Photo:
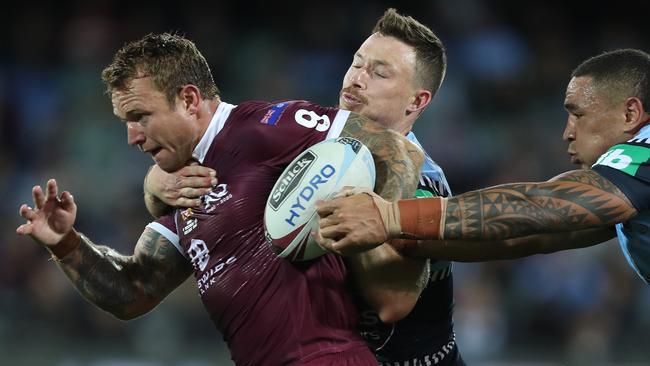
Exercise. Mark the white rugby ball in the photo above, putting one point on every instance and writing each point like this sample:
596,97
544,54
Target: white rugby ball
317,173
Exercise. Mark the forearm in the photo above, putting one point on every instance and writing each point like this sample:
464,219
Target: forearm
480,251
155,206
389,282
575,200
105,278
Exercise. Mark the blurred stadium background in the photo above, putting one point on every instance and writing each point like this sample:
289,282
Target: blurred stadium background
498,118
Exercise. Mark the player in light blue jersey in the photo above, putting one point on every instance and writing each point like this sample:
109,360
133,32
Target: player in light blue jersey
608,130
627,166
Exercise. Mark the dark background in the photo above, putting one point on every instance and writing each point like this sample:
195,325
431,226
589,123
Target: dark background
498,118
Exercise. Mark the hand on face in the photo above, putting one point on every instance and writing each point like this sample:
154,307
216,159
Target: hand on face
182,188
51,218
350,223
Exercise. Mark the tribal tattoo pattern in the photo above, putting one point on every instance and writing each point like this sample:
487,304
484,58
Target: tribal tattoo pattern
574,200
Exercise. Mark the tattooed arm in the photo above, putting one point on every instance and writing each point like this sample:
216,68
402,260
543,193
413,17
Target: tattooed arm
488,250
388,281
574,200
397,160
126,286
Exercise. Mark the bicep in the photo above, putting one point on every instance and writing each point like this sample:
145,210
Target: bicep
397,160
162,266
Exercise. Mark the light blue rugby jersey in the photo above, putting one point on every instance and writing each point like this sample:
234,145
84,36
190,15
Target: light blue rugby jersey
431,171
627,166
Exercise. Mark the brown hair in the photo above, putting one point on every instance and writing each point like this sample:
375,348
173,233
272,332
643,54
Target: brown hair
431,59
171,61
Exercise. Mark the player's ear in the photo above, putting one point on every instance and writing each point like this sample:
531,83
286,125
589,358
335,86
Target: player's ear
420,100
190,96
635,115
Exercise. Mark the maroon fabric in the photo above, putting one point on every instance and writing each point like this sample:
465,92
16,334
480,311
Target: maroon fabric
270,311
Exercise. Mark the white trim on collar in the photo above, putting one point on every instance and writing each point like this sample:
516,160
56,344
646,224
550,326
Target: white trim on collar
216,125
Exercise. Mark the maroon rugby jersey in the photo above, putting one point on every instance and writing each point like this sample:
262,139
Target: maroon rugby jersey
270,311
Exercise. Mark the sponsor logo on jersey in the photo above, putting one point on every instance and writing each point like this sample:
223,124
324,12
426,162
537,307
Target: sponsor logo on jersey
218,196
273,114
626,158
209,277
199,254
307,193
291,178
190,225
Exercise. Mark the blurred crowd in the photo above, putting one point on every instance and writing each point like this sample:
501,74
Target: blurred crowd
497,118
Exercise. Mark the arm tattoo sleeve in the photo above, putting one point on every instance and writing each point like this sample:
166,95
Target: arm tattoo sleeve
397,161
126,286
574,200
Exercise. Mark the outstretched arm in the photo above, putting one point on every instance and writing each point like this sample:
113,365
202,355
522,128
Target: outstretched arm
574,200
389,282
126,286
488,250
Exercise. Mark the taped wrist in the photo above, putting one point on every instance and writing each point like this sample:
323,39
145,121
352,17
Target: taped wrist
422,218
389,215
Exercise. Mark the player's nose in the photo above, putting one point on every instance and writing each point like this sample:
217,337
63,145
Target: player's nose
569,131
135,137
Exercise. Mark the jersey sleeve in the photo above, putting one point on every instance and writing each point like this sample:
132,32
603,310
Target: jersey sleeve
626,165
166,226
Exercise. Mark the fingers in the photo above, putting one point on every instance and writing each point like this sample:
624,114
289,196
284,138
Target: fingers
326,208
187,202
67,201
325,243
197,182
38,197
328,221
24,229
196,170
333,232
52,189
27,212
348,191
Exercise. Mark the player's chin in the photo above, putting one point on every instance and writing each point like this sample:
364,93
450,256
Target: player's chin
167,162
352,107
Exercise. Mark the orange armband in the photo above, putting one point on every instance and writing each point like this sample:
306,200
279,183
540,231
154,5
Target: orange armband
422,218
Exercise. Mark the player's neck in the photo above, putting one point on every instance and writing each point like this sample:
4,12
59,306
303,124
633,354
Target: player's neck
207,111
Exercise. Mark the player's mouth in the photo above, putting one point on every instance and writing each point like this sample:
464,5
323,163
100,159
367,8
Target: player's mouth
574,158
350,100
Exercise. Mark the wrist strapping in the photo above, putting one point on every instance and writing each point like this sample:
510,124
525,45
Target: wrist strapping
422,218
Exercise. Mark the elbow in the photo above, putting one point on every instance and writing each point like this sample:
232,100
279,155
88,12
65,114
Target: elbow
127,313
